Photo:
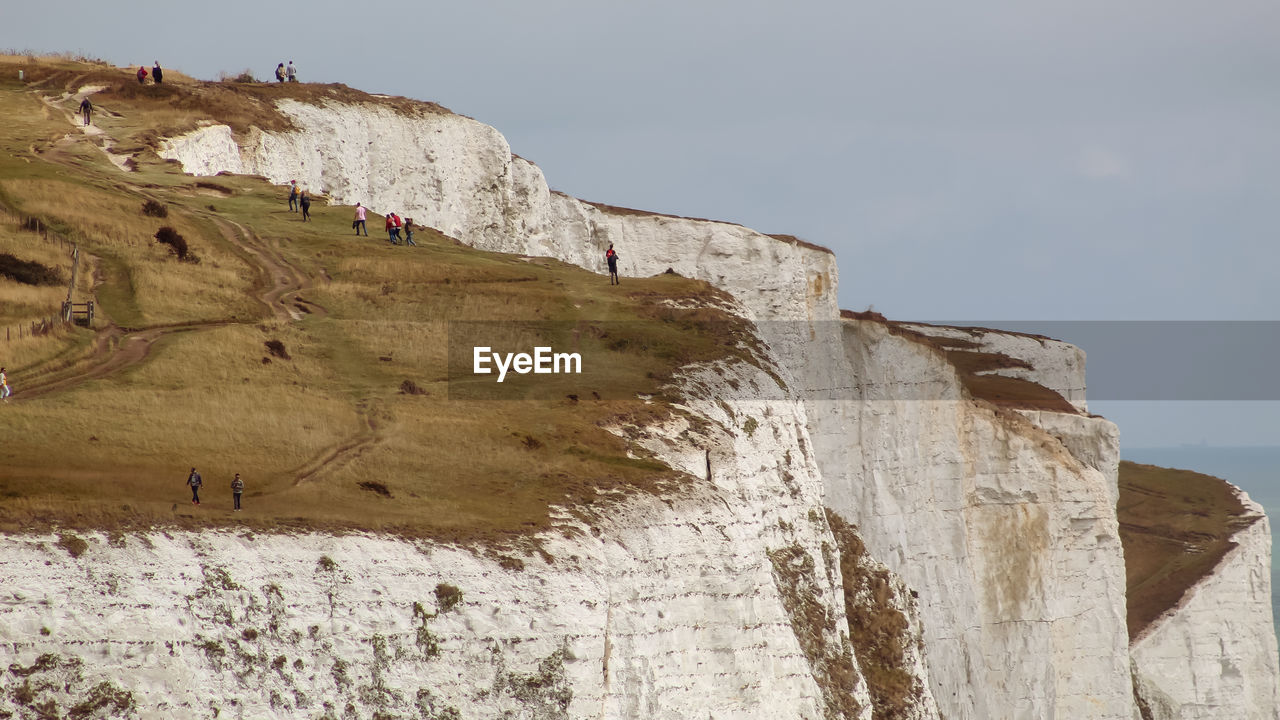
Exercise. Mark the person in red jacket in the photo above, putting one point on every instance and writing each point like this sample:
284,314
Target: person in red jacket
611,257
142,75
393,228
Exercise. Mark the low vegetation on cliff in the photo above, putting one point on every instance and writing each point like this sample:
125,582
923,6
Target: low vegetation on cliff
1176,526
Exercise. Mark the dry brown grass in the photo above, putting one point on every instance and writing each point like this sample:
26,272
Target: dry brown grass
1176,526
160,288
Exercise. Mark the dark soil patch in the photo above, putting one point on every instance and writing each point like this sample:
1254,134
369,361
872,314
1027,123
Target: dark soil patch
375,487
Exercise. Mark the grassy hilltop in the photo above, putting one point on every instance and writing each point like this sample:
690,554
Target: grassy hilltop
311,361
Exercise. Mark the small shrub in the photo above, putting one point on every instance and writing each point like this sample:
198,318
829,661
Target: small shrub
276,348
153,208
409,387
168,236
27,272
447,597
249,634
244,76
750,426
74,545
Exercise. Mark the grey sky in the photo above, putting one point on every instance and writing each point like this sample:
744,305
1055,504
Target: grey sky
992,160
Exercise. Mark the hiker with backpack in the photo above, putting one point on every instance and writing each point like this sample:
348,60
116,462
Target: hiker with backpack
611,257
280,72
305,202
195,482
293,196
86,109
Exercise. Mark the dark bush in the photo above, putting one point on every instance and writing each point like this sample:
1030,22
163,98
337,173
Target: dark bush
409,387
27,272
155,209
447,597
375,487
176,242
275,347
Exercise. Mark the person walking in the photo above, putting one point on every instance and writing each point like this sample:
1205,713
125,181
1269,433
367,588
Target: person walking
4,386
393,229
291,72
305,202
86,109
156,73
237,487
195,482
293,196
280,72
142,75
358,223
408,232
611,257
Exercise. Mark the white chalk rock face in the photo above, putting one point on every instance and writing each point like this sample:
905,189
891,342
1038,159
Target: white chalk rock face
721,599
1011,540
1003,524
1213,657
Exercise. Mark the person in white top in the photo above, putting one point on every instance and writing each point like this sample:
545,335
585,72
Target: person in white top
4,386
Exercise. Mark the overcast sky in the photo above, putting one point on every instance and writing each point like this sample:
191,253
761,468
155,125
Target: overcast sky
981,161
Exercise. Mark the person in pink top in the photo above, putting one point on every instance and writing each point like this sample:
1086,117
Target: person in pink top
358,223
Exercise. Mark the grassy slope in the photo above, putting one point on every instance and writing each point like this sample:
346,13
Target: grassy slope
114,452
1176,525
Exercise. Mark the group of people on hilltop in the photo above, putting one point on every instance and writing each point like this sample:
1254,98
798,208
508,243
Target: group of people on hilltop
394,224
157,75
286,73
195,482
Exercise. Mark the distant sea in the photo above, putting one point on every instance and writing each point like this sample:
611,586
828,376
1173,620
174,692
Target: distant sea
1256,470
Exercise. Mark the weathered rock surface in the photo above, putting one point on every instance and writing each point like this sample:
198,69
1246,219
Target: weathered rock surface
1003,522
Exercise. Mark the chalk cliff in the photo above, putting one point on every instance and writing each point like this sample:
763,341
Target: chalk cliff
733,602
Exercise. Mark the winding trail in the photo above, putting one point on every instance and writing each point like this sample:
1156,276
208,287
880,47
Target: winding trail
277,286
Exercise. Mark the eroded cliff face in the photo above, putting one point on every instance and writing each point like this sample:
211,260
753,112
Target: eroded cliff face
1002,521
